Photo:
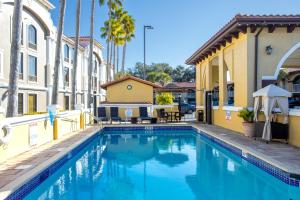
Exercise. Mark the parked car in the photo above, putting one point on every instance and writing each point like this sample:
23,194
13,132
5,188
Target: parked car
188,108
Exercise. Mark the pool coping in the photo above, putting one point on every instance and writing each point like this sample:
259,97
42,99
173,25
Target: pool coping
7,192
263,162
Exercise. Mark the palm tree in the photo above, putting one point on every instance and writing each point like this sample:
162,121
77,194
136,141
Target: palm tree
58,51
15,57
112,5
129,28
78,13
90,66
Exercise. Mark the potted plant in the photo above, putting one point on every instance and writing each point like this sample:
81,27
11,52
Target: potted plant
249,127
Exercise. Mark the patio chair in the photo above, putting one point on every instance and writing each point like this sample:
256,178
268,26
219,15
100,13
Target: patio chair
162,115
114,114
144,114
102,114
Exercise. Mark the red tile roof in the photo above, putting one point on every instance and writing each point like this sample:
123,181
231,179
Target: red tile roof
238,24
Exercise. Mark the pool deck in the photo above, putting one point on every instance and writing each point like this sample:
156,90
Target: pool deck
19,169
278,154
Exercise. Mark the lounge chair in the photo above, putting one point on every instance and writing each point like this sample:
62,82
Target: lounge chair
144,114
102,114
114,114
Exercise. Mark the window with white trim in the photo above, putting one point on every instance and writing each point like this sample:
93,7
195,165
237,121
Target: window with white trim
32,37
32,76
21,67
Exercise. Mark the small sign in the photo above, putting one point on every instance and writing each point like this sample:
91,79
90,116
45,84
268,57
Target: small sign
33,134
228,115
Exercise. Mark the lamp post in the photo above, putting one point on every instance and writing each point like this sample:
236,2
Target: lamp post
150,28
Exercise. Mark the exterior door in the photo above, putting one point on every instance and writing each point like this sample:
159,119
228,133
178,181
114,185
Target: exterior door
32,103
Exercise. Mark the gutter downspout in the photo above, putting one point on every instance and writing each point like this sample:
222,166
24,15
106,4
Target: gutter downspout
256,58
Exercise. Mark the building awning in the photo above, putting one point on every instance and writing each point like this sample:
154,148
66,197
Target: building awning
240,23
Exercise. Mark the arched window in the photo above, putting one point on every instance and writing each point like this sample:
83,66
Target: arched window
32,37
296,80
66,52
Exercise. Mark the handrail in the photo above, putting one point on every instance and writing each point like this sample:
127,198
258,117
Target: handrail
95,118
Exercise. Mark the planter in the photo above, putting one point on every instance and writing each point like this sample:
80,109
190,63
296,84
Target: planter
249,129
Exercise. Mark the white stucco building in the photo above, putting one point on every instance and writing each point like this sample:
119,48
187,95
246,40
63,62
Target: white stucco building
37,60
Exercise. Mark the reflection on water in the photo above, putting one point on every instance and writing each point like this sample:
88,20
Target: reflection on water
161,165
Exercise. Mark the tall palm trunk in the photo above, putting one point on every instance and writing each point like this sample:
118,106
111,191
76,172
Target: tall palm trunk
15,57
123,57
117,57
114,59
78,13
90,67
107,61
110,60
58,51
108,42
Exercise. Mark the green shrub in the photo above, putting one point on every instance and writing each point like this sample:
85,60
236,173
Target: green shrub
164,98
246,114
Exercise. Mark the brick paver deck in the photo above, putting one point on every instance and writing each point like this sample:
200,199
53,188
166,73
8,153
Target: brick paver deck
19,165
281,155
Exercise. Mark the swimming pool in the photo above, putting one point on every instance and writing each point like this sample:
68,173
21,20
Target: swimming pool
159,164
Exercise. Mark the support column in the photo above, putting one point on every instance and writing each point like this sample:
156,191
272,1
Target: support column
50,48
222,81
208,74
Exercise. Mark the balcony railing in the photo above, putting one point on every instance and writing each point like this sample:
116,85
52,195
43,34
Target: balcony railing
296,87
32,78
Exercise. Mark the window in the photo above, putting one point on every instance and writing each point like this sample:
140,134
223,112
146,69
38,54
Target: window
67,102
66,53
95,66
215,96
20,104
66,76
72,55
32,42
20,69
230,94
32,69
32,103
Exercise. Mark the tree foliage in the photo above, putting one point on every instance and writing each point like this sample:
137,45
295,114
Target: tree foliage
164,98
163,73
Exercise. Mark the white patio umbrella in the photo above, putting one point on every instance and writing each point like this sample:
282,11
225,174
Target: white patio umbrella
267,99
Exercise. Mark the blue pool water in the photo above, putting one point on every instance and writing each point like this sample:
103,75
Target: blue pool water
159,165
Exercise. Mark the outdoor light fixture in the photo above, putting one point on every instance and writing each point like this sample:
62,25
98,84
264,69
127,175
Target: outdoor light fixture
269,50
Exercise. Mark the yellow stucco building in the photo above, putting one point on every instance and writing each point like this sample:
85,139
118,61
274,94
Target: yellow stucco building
242,57
127,92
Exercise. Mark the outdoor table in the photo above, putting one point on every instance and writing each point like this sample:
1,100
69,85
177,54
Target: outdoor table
172,115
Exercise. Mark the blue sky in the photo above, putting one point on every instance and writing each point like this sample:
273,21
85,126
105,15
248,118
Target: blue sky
180,26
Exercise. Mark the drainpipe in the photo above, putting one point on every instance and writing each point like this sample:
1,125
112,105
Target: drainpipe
256,57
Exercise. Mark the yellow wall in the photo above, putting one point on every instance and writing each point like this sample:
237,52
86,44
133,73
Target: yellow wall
238,57
19,142
235,123
139,93
20,139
